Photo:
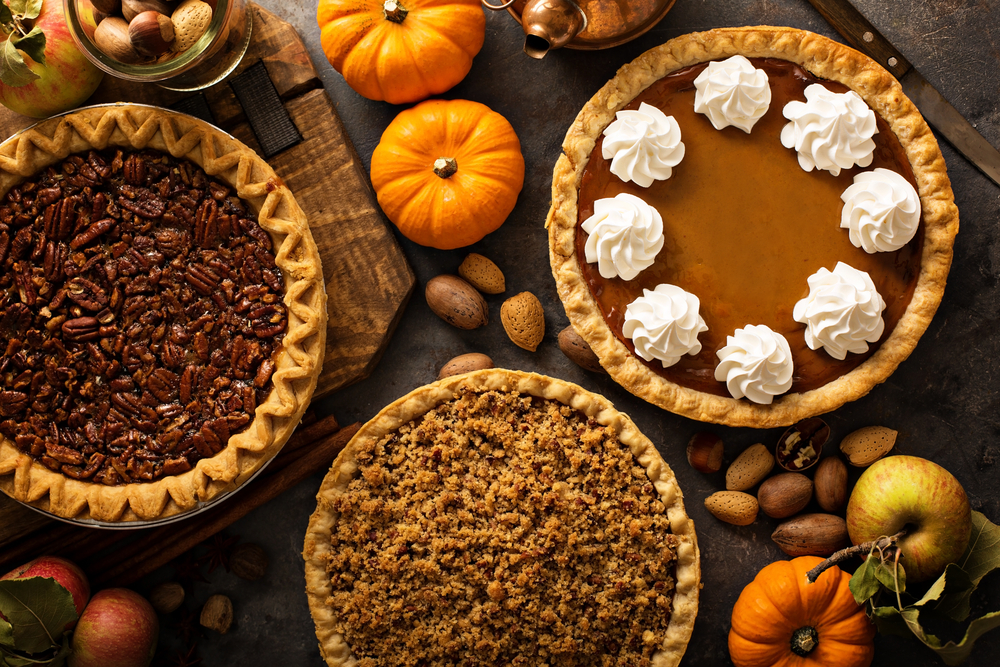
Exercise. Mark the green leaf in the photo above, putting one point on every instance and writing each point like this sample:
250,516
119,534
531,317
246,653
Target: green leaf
889,622
950,595
863,583
13,70
5,15
983,553
32,8
888,574
33,44
38,609
6,633
18,7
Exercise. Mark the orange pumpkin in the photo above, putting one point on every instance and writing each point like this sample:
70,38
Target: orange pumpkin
448,172
401,50
781,620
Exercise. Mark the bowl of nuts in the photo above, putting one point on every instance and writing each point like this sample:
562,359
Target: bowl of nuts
178,44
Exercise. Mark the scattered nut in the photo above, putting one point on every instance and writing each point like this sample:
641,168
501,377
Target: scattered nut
524,320
111,37
800,446
812,535
749,468
248,561
704,452
151,33
191,19
576,348
166,597
483,274
465,363
867,445
831,484
786,494
739,509
456,302
217,614
132,8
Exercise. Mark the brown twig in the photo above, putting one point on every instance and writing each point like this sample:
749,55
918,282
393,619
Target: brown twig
862,549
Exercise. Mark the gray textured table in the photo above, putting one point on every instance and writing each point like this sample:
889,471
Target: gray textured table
943,399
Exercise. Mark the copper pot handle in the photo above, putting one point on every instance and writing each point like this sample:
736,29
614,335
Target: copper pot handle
498,7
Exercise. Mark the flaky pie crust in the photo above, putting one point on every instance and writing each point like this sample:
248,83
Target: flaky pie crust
828,60
318,548
297,363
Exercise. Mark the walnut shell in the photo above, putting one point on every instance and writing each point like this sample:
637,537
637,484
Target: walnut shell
524,320
867,445
482,274
191,19
456,302
749,468
831,484
465,363
735,507
786,494
812,535
217,614
576,348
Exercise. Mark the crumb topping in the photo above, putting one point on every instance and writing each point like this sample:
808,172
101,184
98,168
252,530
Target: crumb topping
501,529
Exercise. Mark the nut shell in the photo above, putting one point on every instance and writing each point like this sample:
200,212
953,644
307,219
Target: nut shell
482,274
812,535
191,19
151,33
111,37
749,468
217,614
830,482
867,445
801,444
735,507
456,302
464,363
167,597
705,451
524,320
786,494
106,6
132,8
249,561
576,348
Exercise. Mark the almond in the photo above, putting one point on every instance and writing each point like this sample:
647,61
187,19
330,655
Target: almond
704,452
831,484
465,363
739,509
576,348
524,320
482,274
812,535
867,445
786,494
749,468
456,302
191,19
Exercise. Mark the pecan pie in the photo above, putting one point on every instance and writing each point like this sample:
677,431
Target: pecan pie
501,517
745,225
162,314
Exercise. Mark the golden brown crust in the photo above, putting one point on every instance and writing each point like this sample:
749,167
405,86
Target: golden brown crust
317,548
826,59
297,363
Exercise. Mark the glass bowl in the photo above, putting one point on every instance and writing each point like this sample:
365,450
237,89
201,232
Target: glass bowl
209,60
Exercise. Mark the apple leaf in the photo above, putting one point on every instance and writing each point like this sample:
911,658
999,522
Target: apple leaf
38,609
863,583
892,576
983,553
13,70
6,633
5,15
889,621
950,594
33,44
32,8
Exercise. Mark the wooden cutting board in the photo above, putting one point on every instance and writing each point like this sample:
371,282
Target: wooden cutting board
368,280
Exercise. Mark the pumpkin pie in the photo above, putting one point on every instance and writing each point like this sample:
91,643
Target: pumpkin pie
162,314
501,517
746,221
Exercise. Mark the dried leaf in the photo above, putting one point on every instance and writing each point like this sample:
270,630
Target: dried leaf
32,8
983,554
13,70
891,575
38,609
864,584
955,653
889,622
950,594
33,44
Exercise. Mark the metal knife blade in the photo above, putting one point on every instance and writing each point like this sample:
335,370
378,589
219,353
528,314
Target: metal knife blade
959,132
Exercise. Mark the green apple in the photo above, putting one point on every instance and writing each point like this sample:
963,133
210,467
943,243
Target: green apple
909,492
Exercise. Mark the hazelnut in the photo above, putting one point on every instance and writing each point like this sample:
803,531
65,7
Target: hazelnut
105,6
248,561
704,452
151,33
132,8
217,614
167,597
111,37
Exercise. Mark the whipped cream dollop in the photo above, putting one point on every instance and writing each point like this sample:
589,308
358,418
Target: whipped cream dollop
664,324
625,235
831,131
756,362
643,145
881,211
732,92
843,311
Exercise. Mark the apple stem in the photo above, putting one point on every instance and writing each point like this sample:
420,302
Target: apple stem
857,550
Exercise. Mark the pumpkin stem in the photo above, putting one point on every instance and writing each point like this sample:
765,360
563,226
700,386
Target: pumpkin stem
804,640
445,166
394,11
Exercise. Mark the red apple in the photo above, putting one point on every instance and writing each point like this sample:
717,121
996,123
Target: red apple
63,571
118,628
66,79
919,495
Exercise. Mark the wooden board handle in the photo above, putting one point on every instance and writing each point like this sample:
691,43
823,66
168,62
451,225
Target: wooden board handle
862,35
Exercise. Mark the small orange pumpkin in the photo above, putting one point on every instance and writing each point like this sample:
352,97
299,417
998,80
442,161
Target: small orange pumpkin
448,172
401,50
781,620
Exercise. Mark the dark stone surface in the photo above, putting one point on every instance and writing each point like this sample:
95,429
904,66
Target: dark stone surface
943,399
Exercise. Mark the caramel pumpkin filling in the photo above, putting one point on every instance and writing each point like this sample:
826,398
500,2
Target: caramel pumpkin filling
744,228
